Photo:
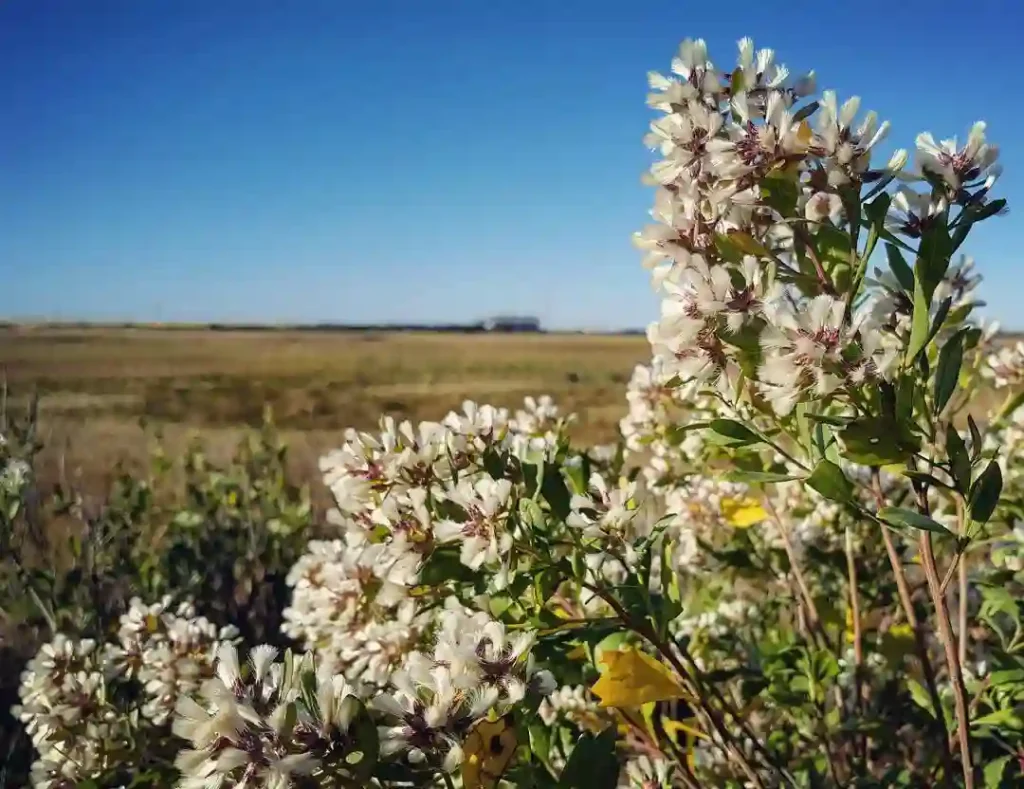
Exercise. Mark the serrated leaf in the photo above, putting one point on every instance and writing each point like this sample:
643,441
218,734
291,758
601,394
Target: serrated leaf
985,493
903,518
828,479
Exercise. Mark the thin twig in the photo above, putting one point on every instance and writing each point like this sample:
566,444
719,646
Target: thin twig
858,639
962,593
794,563
921,645
704,708
948,643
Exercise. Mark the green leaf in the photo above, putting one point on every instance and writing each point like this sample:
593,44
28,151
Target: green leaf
1004,717
947,374
805,112
676,433
878,208
920,696
985,493
920,324
835,421
781,193
993,772
959,460
555,492
921,476
975,438
754,477
443,566
730,433
828,479
902,518
367,741
593,764
540,741
932,258
877,441
903,273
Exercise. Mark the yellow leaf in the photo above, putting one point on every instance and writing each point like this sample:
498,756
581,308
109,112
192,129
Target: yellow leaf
633,678
803,132
578,653
487,751
743,513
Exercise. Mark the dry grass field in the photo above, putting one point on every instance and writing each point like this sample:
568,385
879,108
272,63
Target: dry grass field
107,393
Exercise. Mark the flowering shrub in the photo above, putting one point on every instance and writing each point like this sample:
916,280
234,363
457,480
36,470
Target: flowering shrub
802,566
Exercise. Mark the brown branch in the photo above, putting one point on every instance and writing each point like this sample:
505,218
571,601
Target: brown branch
949,644
920,643
858,636
952,659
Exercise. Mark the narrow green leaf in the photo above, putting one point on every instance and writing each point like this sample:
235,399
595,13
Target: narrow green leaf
902,518
835,421
975,438
729,432
947,374
754,477
920,324
985,493
903,273
993,772
876,441
806,112
1008,716
675,434
959,460
828,479
921,476
593,763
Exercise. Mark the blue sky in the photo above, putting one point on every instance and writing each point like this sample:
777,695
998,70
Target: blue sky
406,160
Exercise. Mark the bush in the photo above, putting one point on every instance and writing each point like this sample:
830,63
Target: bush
801,567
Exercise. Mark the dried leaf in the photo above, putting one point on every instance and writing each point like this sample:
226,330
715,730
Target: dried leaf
632,678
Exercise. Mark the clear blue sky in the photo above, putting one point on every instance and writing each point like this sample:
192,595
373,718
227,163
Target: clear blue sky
414,160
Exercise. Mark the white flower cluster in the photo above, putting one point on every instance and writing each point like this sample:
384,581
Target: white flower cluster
76,700
475,667
68,710
1005,367
170,651
263,727
350,603
399,494
574,704
750,209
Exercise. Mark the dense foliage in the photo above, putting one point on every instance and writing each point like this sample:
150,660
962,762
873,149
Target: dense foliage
801,566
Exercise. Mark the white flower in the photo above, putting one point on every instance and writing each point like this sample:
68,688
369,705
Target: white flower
483,531
958,167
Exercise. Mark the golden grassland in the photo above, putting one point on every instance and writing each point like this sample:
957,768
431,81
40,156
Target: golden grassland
106,394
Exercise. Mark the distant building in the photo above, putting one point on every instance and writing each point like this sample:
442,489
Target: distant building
511,323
